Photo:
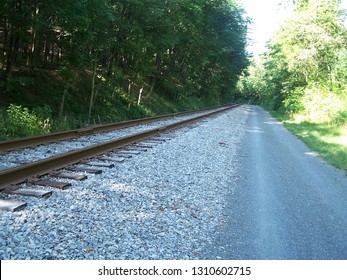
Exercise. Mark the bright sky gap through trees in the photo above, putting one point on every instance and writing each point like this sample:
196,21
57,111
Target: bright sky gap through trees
267,17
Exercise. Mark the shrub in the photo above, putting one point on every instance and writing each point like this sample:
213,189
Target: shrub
20,122
293,103
17,83
322,105
340,119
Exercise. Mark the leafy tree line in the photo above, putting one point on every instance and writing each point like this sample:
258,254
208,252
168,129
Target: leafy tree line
304,69
128,48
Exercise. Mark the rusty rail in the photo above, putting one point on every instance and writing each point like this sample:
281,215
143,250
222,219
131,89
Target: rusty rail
53,137
22,173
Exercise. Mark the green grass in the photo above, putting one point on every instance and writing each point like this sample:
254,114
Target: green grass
330,141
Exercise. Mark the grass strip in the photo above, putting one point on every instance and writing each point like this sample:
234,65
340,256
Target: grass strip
330,141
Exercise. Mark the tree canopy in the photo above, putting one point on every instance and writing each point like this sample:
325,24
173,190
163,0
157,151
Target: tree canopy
303,69
175,47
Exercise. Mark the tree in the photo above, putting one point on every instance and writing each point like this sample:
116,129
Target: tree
308,51
175,47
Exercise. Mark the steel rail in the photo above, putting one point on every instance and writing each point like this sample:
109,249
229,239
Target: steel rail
22,173
53,137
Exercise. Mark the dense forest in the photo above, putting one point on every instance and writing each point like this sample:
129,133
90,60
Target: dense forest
69,63
304,68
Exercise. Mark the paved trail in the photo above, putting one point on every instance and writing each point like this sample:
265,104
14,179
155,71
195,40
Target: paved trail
287,203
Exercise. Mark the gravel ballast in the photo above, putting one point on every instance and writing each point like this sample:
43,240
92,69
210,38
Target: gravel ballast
11,159
165,203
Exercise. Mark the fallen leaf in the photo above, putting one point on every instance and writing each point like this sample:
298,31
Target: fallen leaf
89,249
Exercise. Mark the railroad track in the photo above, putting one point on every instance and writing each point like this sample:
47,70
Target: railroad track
105,154
54,137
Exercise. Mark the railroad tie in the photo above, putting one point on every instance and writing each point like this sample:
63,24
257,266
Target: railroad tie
100,164
83,169
31,192
50,183
113,159
71,176
11,205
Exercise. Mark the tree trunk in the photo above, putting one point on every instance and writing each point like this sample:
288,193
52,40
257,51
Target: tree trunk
139,96
92,93
62,103
152,87
9,59
110,62
66,90
31,57
46,53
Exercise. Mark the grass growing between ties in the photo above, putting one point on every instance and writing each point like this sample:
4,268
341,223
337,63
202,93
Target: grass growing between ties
329,140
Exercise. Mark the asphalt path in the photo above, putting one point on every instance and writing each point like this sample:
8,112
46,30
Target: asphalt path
286,204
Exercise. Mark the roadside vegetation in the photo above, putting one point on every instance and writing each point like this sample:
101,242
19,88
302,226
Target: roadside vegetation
66,64
329,140
302,78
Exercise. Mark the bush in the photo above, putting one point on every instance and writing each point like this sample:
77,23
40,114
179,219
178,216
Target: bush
322,105
20,122
340,119
293,103
17,83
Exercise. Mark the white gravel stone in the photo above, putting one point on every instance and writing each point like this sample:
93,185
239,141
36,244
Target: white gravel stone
165,203
15,158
